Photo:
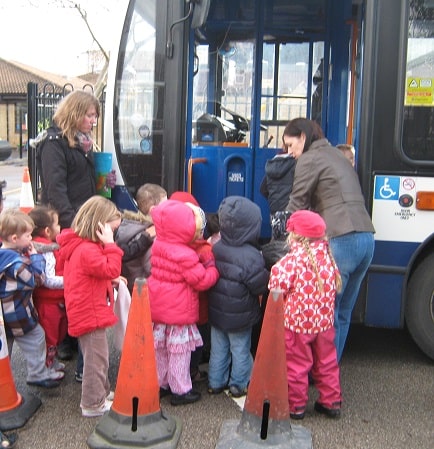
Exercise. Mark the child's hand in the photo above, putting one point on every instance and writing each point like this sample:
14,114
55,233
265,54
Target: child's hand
31,249
151,231
105,233
117,281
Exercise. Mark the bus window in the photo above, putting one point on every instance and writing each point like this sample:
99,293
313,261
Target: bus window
137,86
418,129
222,93
286,86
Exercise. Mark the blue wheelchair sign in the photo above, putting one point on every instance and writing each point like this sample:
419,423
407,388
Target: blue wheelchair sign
387,187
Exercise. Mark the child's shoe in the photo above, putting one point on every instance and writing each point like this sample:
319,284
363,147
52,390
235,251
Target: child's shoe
187,398
237,392
58,366
78,377
198,376
95,412
334,413
55,375
110,396
217,390
298,413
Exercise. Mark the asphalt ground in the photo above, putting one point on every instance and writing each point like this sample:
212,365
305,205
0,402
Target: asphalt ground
387,384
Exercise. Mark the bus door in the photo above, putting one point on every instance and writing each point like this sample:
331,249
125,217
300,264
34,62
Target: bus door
245,87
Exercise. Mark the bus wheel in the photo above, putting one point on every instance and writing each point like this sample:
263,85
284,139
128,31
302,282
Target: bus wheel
419,309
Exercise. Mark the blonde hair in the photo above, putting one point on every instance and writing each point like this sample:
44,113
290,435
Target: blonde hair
149,195
199,218
96,209
71,111
305,241
14,221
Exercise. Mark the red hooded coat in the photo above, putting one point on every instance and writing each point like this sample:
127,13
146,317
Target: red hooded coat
89,268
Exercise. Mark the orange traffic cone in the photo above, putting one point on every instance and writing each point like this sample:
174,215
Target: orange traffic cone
26,196
265,420
15,409
135,418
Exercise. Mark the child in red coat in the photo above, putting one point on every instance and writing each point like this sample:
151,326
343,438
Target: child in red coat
91,263
49,298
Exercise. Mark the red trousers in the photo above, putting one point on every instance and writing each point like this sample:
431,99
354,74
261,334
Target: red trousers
52,318
315,353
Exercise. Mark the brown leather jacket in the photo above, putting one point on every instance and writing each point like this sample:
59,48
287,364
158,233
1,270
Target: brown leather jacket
325,182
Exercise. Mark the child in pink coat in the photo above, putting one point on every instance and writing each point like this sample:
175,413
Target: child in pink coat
176,279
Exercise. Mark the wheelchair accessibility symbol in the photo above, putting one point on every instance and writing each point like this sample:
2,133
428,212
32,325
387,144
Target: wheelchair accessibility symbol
387,187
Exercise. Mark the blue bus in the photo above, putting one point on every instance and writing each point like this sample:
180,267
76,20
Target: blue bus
199,92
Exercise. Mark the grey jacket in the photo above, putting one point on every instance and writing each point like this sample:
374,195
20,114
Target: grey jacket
325,182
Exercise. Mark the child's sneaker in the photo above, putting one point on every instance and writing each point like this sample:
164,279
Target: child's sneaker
110,396
78,377
55,375
58,366
237,392
95,412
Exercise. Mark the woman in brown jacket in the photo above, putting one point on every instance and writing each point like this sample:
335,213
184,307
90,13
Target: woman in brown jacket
326,183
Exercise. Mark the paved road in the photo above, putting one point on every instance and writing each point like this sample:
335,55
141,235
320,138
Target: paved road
388,387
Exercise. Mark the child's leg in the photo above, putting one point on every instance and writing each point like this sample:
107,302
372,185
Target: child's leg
178,373
162,360
48,319
219,361
95,386
242,360
326,369
161,355
298,363
33,347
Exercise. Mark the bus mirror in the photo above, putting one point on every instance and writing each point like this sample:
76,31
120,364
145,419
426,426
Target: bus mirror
200,13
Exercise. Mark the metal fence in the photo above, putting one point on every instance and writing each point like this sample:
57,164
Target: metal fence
41,105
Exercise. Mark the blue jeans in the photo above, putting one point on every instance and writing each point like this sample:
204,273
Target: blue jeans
353,253
227,347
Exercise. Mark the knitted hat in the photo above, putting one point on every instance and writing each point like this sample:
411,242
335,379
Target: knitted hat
184,197
306,223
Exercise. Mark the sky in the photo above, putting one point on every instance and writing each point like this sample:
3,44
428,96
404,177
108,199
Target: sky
45,35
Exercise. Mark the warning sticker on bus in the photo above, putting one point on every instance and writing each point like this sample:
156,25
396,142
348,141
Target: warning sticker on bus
419,92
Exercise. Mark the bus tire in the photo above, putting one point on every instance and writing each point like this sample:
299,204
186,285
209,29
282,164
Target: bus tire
419,308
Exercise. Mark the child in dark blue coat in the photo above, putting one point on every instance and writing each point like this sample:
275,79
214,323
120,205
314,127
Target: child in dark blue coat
234,301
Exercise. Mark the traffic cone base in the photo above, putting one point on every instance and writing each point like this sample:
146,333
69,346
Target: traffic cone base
17,418
135,419
153,431
297,437
265,419
15,409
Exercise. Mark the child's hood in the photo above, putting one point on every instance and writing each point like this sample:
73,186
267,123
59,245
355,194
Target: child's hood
277,167
43,245
7,257
174,222
68,241
240,221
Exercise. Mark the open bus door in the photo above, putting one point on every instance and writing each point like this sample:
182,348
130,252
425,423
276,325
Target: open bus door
250,73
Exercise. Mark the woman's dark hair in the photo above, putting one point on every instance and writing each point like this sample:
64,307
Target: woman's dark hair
299,126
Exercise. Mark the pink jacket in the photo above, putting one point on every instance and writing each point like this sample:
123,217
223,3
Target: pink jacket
89,268
177,275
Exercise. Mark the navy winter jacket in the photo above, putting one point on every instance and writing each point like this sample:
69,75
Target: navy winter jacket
234,300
